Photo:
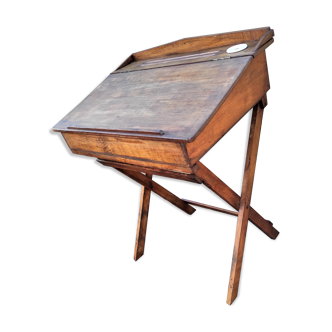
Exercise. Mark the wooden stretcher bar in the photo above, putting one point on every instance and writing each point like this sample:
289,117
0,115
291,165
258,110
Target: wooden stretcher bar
210,207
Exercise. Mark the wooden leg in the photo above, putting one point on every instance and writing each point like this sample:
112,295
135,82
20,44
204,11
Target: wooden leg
242,222
221,189
158,189
142,221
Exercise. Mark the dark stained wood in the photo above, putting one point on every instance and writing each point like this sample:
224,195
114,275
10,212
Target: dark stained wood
202,42
242,222
233,199
210,207
158,189
142,221
154,171
253,84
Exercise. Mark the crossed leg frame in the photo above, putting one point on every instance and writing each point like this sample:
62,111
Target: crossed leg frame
210,180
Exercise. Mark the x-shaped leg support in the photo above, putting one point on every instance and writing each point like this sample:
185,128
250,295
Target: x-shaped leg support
149,185
205,176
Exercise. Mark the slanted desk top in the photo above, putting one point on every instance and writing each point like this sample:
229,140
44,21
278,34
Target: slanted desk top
164,108
169,97
169,103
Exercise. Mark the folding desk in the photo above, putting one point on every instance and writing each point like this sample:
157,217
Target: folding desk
165,107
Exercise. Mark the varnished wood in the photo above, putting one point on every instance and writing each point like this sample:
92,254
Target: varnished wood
137,161
154,171
212,54
185,153
242,222
262,48
158,189
264,39
202,42
254,48
157,154
263,102
250,88
210,207
164,108
233,199
142,221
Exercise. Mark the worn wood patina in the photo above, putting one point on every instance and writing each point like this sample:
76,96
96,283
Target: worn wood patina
164,108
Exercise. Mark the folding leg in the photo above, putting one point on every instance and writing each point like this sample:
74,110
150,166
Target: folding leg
242,222
142,221
158,189
221,189
148,186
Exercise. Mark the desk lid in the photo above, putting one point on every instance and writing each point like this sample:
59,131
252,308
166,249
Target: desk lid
169,92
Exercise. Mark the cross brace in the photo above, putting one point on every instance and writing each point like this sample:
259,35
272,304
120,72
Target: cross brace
213,183
210,180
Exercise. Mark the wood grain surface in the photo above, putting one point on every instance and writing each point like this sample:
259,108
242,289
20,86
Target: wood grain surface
202,42
251,87
178,100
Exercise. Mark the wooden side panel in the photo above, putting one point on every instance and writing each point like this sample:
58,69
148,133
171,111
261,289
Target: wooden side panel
158,154
203,42
249,90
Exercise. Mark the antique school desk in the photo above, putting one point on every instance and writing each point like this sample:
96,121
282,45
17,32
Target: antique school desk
164,108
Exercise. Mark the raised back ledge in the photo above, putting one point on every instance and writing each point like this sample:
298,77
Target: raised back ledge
199,42
192,44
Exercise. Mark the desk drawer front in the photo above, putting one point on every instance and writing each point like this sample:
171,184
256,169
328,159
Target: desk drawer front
164,155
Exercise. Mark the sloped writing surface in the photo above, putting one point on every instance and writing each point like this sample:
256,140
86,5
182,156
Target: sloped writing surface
177,100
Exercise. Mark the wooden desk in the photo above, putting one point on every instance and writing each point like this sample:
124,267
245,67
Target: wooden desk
164,108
